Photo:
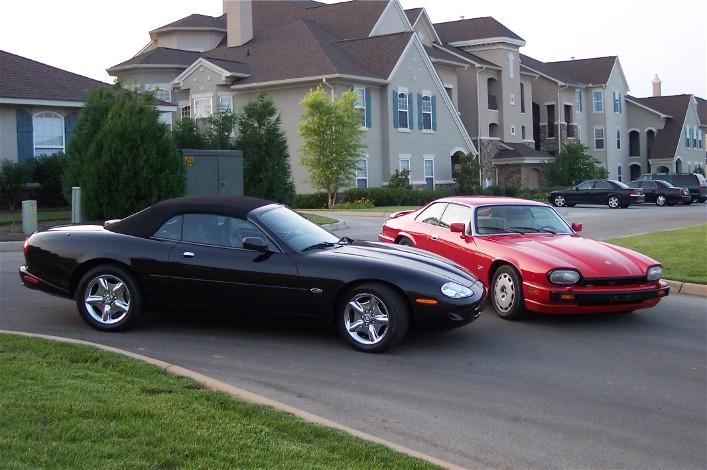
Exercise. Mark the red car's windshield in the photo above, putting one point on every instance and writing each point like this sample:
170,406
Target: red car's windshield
490,220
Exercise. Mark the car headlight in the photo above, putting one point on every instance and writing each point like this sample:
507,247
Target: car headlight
655,273
456,291
564,276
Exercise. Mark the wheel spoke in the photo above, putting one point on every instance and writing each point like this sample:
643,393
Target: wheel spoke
122,306
106,312
357,307
96,300
355,326
373,333
103,283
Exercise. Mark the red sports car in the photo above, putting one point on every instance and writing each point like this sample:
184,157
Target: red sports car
529,258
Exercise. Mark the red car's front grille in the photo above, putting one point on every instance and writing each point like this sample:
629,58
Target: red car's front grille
616,281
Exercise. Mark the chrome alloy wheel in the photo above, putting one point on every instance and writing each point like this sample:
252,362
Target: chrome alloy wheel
504,293
107,299
366,319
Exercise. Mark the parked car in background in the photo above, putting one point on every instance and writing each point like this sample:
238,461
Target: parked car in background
529,258
662,193
694,182
247,255
612,193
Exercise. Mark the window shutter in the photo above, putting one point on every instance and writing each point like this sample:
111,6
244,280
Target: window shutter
369,122
419,112
434,113
410,113
69,123
395,109
25,140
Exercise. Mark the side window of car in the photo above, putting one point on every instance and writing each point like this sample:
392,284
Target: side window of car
170,230
602,185
198,227
432,215
586,185
456,213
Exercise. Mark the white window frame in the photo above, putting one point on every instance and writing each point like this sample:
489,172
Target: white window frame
598,104
185,111
201,107
425,160
512,99
579,107
618,138
513,130
617,102
162,92
694,137
426,111
599,136
362,172
225,102
403,108
687,137
360,105
45,124
404,163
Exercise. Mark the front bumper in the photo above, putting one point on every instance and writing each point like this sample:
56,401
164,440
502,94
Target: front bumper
554,299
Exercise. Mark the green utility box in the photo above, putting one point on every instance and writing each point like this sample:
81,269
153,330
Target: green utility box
213,172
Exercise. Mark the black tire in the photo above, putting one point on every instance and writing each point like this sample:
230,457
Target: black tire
109,298
614,202
405,241
660,200
559,200
373,317
507,294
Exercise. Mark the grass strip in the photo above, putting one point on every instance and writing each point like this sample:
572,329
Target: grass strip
74,406
682,252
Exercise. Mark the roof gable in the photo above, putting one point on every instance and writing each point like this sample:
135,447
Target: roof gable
594,71
476,30
25,79
675,107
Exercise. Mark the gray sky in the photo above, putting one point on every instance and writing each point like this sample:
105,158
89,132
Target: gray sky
649,37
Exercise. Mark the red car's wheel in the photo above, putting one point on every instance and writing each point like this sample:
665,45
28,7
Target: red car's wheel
507,293
405,241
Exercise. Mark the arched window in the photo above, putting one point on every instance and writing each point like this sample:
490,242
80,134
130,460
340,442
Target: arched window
403,110
48,133
427,112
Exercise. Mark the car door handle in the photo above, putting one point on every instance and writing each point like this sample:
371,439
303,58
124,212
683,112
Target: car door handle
434,237
188,254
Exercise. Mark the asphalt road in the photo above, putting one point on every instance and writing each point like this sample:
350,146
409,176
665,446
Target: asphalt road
601,391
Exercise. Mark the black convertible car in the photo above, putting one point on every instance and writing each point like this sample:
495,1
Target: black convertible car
250,255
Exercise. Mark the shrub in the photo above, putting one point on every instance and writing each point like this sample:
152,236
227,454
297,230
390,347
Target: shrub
13,178
310,201
47,171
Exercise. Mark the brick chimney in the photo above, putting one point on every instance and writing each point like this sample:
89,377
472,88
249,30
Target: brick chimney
656,85
239,21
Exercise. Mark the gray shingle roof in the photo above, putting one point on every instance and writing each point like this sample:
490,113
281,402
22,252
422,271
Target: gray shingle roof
595,71
22,78
474,29
197,21
163,56
548,70
667,139
520,150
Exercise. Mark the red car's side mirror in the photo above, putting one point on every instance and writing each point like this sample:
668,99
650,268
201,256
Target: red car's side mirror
577,227
458,227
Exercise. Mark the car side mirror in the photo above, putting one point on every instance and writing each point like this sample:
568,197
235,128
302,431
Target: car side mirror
576,227
255,244
458,227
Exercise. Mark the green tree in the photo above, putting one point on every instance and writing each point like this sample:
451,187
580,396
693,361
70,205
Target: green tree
218,132
13,178
128,158
400,180
186,135
331,130
574,165
467,174
266,158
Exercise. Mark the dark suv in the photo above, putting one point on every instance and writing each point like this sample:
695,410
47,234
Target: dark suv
695,182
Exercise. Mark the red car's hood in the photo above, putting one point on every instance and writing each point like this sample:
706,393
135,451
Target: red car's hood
594,259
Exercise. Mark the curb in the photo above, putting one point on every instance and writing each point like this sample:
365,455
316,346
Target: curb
212,384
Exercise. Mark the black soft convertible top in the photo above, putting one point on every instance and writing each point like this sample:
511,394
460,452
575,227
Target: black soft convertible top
147,221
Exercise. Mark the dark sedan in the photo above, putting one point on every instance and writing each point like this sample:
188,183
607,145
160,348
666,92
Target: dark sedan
253,256
612,193
662,193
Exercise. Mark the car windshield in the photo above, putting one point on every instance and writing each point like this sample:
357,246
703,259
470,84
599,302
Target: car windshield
296,231
492,220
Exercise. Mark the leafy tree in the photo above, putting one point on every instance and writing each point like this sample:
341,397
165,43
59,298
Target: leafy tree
574,165
700,169
400,180
122,156
266,159
331,130
218,133
467,174
47,171
13,177
186,135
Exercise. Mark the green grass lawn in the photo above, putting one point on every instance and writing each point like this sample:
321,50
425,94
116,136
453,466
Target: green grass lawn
682,252
74,406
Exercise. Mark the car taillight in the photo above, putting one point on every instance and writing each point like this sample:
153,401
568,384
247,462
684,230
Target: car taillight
636,192
25,247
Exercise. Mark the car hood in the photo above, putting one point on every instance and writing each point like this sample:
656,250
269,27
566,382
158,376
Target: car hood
409,257
594,259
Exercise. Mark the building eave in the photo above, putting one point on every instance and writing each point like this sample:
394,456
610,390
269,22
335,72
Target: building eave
41,102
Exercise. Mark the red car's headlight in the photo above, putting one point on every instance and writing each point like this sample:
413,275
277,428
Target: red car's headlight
654,273
564,277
